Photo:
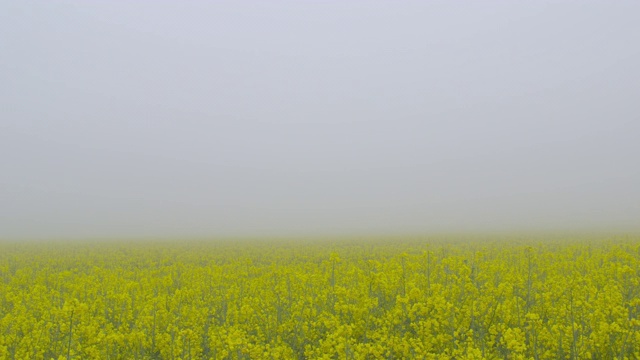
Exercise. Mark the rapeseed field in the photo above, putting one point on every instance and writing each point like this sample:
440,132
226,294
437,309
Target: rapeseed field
370,299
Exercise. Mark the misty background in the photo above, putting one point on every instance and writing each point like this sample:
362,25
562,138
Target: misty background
194,118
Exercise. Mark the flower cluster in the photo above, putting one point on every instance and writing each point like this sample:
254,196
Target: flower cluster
400,299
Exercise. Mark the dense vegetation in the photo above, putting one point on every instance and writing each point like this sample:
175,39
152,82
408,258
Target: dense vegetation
393,299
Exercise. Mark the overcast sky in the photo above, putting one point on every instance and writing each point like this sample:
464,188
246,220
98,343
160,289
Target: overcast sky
202,118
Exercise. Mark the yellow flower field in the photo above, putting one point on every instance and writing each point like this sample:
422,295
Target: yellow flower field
368,299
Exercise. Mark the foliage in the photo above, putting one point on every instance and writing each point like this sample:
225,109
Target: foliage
399,299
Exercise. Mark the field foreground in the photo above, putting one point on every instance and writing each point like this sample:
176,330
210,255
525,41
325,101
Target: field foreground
395,299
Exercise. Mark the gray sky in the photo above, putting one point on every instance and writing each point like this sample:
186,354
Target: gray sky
194,118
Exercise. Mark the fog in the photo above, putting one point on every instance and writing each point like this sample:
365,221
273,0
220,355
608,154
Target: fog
280,118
